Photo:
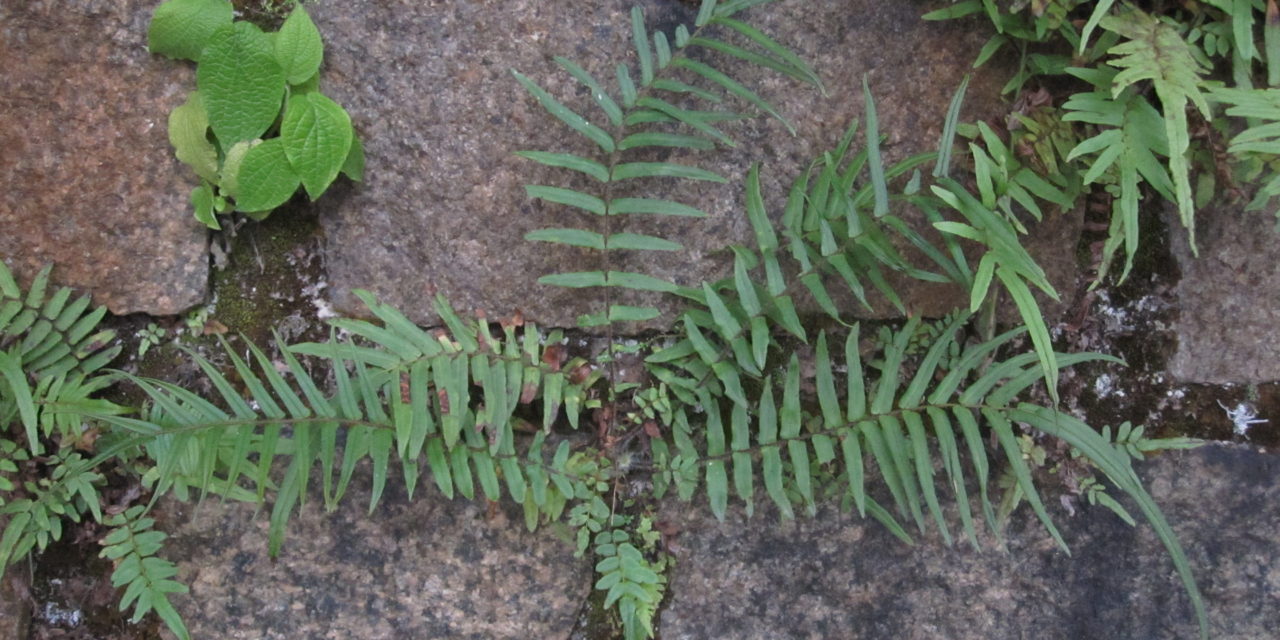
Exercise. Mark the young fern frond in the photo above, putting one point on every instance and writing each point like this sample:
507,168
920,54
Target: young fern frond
657,110
147,578
1155,51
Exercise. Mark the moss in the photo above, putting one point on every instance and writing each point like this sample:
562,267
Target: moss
270,278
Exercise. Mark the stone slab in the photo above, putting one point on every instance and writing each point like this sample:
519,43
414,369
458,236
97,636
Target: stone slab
837,577
1229,323
90,183
426,568
443,210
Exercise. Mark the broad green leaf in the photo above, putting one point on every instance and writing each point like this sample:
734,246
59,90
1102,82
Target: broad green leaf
181,28
266,180
229,176
298,47
202,202
317,136
240,83
353,166
188,133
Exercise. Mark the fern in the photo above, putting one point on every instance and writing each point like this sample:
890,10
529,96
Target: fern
1259,144
409,393
657,110
1128,147
147,579
1155,51
51,334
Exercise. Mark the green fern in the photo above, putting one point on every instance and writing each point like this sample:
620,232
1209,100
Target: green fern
1155,51
51,334
1259,144
132,547
645,117
402,392
1131,140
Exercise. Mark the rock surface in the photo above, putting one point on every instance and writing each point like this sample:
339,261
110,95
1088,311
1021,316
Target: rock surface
838,577
90,183
430,568
1229,326
430,91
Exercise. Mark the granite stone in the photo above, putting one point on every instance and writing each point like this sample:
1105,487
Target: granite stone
90,183
430,91
1229,316
839,577
421,568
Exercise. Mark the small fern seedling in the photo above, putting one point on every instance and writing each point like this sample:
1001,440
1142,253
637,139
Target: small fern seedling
147,578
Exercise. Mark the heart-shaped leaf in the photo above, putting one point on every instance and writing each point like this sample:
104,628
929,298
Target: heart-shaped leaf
188,133
240,83
317,137
266,179
298,47
181,28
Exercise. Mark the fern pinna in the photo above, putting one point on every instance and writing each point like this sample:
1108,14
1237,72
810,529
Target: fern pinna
655,110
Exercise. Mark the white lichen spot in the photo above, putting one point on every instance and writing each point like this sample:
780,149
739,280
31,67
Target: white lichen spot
1243,416
1105,387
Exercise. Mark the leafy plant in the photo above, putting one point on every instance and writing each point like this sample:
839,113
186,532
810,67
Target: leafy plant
147,579
643,120
52,351
1142,70
257,128
492,410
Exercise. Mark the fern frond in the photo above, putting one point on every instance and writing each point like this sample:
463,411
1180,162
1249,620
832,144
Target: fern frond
444,402
668,90
147,578
1155,51
1261,140
51,334
1132,136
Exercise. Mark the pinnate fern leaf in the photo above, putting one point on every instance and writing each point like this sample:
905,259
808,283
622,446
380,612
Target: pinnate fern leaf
1155,51
147,578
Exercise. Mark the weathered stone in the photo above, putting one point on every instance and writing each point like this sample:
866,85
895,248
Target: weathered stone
838,577
90,183
429,89
1229,322
426,568
15,611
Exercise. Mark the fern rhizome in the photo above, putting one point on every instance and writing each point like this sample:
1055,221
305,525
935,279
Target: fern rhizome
725,407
